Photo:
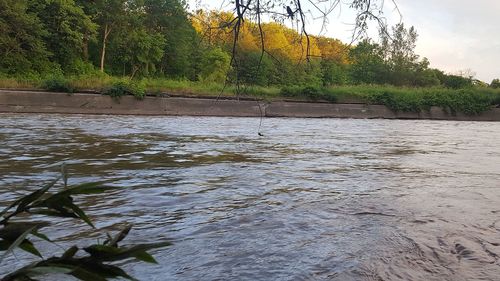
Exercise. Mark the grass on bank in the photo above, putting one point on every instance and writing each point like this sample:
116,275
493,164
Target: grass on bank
400,99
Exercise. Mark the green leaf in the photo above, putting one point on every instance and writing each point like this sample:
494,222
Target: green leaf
26,200
86,268
4,211
108,253
14,229
28,246
41,270
102,270
4,245
113,242
17,242
85,188
41,236
145,257
86,275
53,213
69,253
81,214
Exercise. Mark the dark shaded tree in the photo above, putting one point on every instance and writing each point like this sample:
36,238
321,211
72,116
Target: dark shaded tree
22,46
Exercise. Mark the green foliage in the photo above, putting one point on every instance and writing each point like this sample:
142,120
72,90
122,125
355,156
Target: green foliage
141,50
181,38
253,69
214,66
22,46
495,84
57,84
40,39
94,264
82,68
470,101
399,54
311,93
368,65
456,82
67,25
425,77
126,87
334,73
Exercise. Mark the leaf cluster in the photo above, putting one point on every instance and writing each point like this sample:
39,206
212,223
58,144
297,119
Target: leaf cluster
94,261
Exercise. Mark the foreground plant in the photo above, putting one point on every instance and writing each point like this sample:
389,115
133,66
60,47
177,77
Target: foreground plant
93,263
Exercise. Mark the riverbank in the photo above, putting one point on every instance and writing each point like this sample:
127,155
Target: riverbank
468,100
14,101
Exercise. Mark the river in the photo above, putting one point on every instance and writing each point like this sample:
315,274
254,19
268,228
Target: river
311,199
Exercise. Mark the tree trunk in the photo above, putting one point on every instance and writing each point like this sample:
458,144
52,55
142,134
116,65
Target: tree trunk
107,30
135,68
86,47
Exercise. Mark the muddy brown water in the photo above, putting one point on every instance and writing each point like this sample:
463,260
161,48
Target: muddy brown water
312,199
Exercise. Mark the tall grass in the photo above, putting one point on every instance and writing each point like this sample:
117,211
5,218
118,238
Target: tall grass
14,83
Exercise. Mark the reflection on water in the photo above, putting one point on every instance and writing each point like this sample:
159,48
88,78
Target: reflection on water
311,200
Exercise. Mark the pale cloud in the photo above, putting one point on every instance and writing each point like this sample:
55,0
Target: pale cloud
457,35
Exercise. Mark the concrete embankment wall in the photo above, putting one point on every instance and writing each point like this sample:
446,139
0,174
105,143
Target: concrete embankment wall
81,103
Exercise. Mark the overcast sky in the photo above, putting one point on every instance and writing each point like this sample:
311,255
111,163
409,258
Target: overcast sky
457,34
453,34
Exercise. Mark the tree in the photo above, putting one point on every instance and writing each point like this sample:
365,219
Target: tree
279,10
22,48
399,54
334,73
109,14
67,25
214,66
424,76
143,50
456,82
169,18
495,84
368,65
252,69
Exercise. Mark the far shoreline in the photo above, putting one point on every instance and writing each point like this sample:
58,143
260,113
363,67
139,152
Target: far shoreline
175,104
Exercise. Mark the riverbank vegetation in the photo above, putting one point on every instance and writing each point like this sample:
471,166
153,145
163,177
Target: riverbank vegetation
120,47
18,231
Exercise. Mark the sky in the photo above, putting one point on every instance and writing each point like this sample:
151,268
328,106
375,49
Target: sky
455,35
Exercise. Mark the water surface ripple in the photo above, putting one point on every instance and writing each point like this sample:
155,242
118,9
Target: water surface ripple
313,199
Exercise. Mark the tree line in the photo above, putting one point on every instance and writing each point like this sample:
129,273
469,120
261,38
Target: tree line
159,38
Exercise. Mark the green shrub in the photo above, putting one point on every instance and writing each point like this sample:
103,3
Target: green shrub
80,67
309,92
122,88
470,101
290,92
116,90
495,84
312,93
496,100
57,84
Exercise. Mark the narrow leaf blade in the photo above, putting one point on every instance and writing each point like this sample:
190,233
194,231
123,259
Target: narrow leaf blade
28,246
145,257
16,243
